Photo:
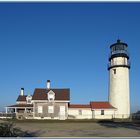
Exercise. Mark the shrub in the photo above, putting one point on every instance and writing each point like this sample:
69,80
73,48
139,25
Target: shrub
8,129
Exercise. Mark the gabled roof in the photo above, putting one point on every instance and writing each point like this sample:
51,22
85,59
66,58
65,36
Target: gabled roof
79,106
101,105
21,98
21,105
60,94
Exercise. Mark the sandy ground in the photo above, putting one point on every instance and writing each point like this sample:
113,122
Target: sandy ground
80,129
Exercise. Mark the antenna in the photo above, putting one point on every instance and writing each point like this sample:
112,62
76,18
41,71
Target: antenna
118,40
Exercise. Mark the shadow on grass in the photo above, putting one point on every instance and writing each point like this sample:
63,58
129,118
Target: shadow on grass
112,124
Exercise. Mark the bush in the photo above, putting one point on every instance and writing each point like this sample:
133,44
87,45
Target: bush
8,129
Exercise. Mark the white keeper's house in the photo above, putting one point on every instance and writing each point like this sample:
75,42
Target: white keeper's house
51,103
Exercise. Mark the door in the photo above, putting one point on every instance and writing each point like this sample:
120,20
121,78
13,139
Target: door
62,113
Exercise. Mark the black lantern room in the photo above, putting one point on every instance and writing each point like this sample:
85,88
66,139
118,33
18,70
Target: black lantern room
118,49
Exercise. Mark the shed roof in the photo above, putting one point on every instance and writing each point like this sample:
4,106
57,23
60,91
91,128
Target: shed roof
101,105
79,106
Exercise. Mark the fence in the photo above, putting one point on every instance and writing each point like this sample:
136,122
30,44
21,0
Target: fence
7,115
135,116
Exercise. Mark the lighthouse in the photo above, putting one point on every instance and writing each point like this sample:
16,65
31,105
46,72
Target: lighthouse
118,67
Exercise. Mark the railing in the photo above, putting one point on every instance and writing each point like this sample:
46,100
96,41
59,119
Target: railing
136,116
119,51
99,116
124,64
28,114
25,114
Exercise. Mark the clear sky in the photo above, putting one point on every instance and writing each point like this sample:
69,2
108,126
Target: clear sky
67,43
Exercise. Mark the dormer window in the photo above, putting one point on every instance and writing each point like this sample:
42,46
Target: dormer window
51,99
51,95
29,99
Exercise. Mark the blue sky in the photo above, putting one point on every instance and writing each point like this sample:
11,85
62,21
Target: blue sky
67,43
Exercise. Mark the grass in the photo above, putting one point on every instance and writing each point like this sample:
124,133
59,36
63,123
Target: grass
68,121
54,121
77,128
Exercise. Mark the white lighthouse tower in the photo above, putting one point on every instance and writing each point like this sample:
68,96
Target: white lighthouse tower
119,79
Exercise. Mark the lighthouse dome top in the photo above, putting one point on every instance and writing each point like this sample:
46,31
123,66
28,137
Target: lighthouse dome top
118,49
119,44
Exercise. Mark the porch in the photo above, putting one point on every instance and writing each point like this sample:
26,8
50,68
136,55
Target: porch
21,111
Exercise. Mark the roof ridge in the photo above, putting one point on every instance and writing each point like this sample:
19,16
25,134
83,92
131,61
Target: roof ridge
52,88
100,101
79,104
59,88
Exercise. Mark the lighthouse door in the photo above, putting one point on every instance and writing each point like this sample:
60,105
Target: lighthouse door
62,113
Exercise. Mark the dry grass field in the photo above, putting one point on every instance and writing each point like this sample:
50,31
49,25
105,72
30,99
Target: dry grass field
78,128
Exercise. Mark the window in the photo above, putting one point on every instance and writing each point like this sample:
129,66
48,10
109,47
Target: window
114,71
28,101
50,109
80,112
51,99
51,96
102,112
40,109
